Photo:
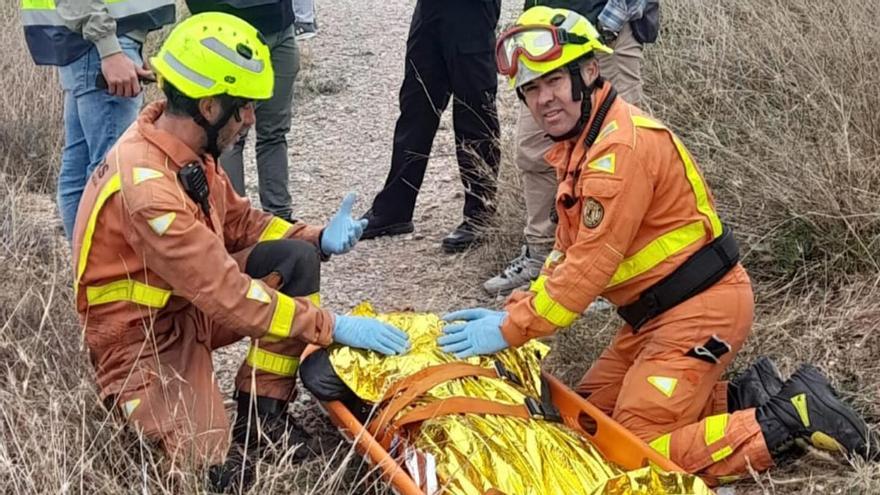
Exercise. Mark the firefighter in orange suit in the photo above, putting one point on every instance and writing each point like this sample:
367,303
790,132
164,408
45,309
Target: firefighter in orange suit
171,264
637,224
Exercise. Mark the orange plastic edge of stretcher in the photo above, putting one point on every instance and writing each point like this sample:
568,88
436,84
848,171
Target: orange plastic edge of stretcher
616,443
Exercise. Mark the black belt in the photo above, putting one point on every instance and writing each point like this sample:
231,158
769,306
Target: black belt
696,274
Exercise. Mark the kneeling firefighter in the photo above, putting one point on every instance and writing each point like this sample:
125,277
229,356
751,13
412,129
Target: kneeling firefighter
172,264
638,226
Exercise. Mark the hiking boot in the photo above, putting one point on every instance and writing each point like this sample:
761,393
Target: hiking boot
235,475
304,30
466,235
754,386
519,272
263,429
263,424
379,226
807,408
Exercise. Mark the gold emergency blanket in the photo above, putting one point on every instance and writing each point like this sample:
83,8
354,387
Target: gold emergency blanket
474,453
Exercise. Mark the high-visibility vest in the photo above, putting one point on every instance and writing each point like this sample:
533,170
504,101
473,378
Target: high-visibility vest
52,43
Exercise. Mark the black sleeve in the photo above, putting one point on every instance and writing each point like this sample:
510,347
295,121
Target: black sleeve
319,377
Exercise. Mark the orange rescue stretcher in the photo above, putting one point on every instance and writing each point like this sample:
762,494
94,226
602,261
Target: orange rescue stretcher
613,441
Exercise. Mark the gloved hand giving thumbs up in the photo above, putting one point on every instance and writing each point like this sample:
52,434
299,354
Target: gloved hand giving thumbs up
342,231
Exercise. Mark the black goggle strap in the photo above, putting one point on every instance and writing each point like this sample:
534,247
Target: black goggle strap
566,38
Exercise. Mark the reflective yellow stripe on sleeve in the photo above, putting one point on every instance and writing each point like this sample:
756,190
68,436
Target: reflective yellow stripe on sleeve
120,290
128,290
275,230
277,364
722,453
282,318
315,298
693,175
661,444
715,426
113,185
658,250
552,311
537,285
699,187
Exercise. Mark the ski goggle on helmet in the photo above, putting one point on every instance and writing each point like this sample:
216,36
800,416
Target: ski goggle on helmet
543,40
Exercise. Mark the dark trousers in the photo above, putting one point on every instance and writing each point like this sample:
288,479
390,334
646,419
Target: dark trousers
449,52
296,263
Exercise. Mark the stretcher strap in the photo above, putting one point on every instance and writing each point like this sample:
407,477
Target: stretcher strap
454,405
448,371
403,392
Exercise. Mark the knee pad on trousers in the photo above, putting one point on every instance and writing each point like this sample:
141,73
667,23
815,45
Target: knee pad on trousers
298,263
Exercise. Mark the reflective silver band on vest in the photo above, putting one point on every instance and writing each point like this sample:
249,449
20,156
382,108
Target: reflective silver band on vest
118,10
31,17
186,72
134,7
224,51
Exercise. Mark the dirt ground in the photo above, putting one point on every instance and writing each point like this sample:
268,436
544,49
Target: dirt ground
340,141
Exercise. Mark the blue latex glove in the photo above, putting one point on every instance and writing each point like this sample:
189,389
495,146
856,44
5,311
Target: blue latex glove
480,333
342,231
369,333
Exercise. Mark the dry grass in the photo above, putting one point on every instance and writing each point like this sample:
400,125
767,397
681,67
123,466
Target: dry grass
776,99
30,131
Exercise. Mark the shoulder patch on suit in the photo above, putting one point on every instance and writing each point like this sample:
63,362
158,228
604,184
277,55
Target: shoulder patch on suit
258,293
603,164
608,129
162,223
664,384
142,174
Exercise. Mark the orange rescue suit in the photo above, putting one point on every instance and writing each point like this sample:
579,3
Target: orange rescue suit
632,208
160,284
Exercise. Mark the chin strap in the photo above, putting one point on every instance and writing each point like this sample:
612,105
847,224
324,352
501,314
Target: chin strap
212,131
581,91
599,121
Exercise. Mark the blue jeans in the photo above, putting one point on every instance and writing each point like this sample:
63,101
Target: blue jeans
93,120
304,11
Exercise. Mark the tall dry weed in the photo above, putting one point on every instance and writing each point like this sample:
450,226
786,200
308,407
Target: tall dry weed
778,100
30,130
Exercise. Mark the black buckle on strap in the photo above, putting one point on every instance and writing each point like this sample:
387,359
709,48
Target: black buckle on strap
506,374
639,312
543,409
534,407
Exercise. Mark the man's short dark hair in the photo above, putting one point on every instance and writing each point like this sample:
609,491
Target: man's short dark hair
182,105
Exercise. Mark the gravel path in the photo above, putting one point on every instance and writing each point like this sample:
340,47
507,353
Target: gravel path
345,111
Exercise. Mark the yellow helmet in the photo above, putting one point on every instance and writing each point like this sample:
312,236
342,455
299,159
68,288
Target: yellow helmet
213,54
543,40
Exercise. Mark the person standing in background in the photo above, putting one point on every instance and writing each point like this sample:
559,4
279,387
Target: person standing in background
275,21
449,53
625,26
305,27
87,39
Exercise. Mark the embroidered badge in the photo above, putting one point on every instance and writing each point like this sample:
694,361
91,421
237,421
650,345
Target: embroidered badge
593,213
